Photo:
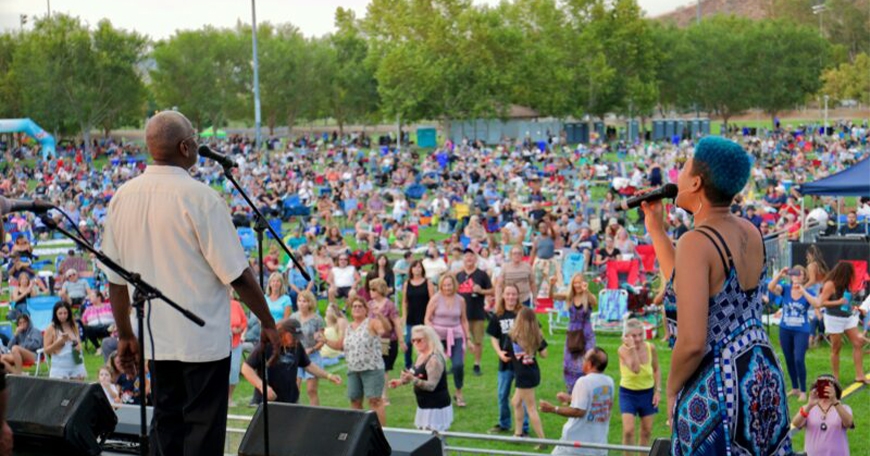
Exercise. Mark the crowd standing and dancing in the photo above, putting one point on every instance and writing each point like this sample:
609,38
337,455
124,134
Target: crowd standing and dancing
506,216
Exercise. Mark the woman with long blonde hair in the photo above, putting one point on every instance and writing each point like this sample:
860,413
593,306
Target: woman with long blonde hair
280,304
580,303
527,341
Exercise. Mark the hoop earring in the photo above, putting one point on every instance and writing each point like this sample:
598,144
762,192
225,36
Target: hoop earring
700,205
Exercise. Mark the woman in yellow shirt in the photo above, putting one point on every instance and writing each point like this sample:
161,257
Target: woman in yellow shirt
639,384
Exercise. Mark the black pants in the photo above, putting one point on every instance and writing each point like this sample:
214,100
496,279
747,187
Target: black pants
95,334
190,407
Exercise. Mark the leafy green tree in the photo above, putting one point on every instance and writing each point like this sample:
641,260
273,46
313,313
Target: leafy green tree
76,79
540,65
785,66
844,22
10,99
849,81
206,74
717,74
283,90
352,93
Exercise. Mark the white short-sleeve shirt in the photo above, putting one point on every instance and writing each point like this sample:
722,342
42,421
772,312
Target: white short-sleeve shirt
594,393
177,234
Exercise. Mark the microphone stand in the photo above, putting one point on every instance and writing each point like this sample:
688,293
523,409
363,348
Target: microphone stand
144,293
261,225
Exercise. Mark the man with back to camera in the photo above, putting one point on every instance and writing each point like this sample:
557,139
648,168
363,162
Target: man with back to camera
587,408
177,233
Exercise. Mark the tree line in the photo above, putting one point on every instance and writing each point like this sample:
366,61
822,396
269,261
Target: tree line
410,60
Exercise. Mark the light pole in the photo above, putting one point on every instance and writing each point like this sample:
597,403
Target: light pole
819,10
826,115
257,119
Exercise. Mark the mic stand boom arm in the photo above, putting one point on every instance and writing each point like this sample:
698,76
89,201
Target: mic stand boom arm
260,226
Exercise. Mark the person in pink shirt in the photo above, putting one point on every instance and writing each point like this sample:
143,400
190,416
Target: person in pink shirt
826,419
446,315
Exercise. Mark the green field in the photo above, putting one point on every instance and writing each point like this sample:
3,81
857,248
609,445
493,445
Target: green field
482,413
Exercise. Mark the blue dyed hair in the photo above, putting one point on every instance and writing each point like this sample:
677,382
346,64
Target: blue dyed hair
723,166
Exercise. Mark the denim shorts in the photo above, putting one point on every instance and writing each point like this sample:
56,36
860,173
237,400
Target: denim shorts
317,360
637,403
369,383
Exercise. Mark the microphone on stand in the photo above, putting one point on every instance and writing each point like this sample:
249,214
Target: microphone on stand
206,152
13,205
665,191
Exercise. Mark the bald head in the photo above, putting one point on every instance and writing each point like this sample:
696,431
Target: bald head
163,135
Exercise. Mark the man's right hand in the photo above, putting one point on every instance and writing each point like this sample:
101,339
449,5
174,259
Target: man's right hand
128,355
271,394
270,336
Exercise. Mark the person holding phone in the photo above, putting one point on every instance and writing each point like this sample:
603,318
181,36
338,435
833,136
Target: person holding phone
826,419
795,328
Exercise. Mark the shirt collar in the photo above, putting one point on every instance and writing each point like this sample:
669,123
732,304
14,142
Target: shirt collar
166,170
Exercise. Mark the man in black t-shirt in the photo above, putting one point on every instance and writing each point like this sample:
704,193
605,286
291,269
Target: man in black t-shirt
282,374
474,286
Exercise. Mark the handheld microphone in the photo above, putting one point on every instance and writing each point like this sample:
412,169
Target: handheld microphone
206,152
665,191
12,205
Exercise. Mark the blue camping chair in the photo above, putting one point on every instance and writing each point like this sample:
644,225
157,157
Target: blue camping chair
276,225
6,332
612,311
349,205
40,308
248,238
573,263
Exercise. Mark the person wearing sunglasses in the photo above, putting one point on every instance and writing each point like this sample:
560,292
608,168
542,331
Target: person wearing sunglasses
429,377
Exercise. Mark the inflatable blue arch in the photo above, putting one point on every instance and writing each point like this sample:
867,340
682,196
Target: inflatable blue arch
30,128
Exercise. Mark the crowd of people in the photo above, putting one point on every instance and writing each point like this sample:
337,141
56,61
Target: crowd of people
508,215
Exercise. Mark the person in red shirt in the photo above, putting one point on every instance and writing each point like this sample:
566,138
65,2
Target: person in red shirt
238,324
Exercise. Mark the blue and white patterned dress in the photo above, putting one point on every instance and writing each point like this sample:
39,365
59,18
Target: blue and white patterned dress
734,403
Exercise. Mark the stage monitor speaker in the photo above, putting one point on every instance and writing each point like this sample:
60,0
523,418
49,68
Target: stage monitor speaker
660,447
297,430
414,444
57,416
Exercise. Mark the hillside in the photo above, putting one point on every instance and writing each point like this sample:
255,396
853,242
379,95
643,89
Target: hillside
685,15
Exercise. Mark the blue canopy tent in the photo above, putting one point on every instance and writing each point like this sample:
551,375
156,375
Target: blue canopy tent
852,181
31,129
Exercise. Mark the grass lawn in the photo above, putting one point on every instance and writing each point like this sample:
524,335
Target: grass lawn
482,411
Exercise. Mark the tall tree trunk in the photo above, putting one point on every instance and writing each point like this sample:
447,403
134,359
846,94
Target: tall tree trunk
86,137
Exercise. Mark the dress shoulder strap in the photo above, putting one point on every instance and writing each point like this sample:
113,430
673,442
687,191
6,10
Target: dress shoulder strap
725,264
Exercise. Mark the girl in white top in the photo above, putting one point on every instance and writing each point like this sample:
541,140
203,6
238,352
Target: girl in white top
62,343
